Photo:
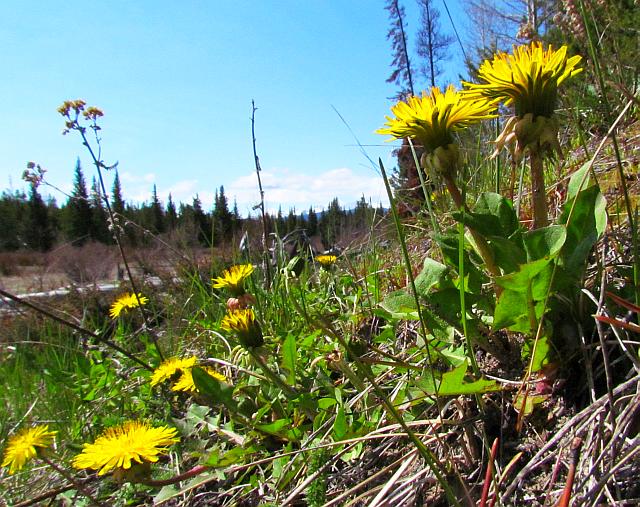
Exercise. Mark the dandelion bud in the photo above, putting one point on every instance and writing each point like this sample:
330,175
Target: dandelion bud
243,323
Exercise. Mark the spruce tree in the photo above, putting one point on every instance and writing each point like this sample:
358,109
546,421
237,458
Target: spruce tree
99,223
431,43
38,233
78,210
13,208
222,216
312,222
172,215
157,213
117,202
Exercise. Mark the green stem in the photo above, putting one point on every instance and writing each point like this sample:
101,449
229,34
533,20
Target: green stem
481,243
538,190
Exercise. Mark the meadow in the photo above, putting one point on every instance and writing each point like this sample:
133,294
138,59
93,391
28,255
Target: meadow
482,350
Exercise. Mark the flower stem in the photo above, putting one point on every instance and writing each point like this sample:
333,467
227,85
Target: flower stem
538,190
76,484
481,242
196,470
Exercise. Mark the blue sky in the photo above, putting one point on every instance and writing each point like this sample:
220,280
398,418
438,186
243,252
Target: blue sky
176,79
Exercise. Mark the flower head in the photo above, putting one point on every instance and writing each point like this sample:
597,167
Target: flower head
126,302
243,323
171,367
528,78
118,447
186,383
233,278
25,445
432,119
326,260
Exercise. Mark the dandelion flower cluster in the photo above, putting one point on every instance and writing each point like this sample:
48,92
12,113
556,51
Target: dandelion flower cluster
121,446
433,118
186,383
528,78
233,278
171,367
126,302
25,445
326,260
243,323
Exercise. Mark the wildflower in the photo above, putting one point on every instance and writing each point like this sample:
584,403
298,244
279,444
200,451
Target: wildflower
243,323
326,260
125,302
432,120
186,383
528,78
171,367
233,278
25,445
121,446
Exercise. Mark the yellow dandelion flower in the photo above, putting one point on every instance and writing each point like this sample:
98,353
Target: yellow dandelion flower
121,446
126,302
528,78
25,445
432,119
233,278
171,367
185,382
243,323
326,260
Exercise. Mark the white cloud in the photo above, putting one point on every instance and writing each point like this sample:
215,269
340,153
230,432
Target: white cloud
286,188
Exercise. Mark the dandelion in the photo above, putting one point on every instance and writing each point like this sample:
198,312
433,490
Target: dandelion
126,302
528,79
243,323
233,278
186,383
326,260
120,447
433,119
172,367
25,445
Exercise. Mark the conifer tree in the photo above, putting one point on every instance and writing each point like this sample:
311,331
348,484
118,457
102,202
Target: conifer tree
172,215
78,210
158,225
38,233
431,43
312,222
222,216
13,208
99,227
402,74
117,202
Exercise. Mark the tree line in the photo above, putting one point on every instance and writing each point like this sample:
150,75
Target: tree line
31,222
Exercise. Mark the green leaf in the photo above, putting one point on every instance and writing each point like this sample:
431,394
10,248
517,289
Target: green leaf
400,304
216,391
340,426
542,353
544,243
507,253
433,273
492,215
576,183
585,226
519,281
512,312
289,355
452,383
